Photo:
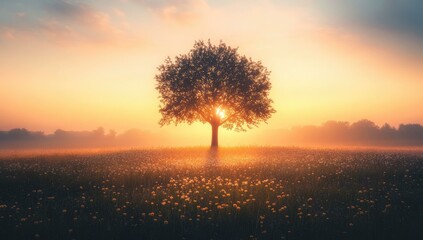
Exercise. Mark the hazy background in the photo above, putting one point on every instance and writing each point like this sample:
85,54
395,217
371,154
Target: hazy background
77,65
363,133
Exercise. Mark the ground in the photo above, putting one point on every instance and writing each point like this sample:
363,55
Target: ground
202,193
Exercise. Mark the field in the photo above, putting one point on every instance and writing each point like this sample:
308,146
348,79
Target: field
201,193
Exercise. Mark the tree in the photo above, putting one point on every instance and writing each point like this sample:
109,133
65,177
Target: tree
214,84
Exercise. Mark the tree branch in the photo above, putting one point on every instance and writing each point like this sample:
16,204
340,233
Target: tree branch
232,115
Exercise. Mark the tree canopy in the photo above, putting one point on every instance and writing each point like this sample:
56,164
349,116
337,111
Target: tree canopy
214,84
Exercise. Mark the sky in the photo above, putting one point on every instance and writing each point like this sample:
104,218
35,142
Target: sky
78,65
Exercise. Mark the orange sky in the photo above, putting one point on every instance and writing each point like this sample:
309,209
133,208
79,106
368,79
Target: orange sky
88,65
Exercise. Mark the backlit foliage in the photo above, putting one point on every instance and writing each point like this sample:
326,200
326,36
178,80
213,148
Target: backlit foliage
214,77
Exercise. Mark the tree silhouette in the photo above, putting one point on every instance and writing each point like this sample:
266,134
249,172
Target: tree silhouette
214,84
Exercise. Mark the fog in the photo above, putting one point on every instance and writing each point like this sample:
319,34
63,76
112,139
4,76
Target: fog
332,133
338,133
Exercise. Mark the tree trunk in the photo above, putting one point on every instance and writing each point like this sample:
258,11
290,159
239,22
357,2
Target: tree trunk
215,131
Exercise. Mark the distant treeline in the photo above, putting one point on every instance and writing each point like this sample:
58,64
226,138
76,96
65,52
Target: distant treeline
361,133
22,138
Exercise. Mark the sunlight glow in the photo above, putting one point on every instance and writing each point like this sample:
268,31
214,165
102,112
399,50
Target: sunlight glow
220,112
92,62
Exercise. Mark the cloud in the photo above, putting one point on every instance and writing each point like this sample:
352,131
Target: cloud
66,22
390,21
8,35
180,11
400,16
78,21
69,9
79,13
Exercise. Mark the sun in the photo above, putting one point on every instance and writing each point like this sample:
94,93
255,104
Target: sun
220,112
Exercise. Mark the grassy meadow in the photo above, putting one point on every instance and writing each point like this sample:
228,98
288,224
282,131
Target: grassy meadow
202,193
